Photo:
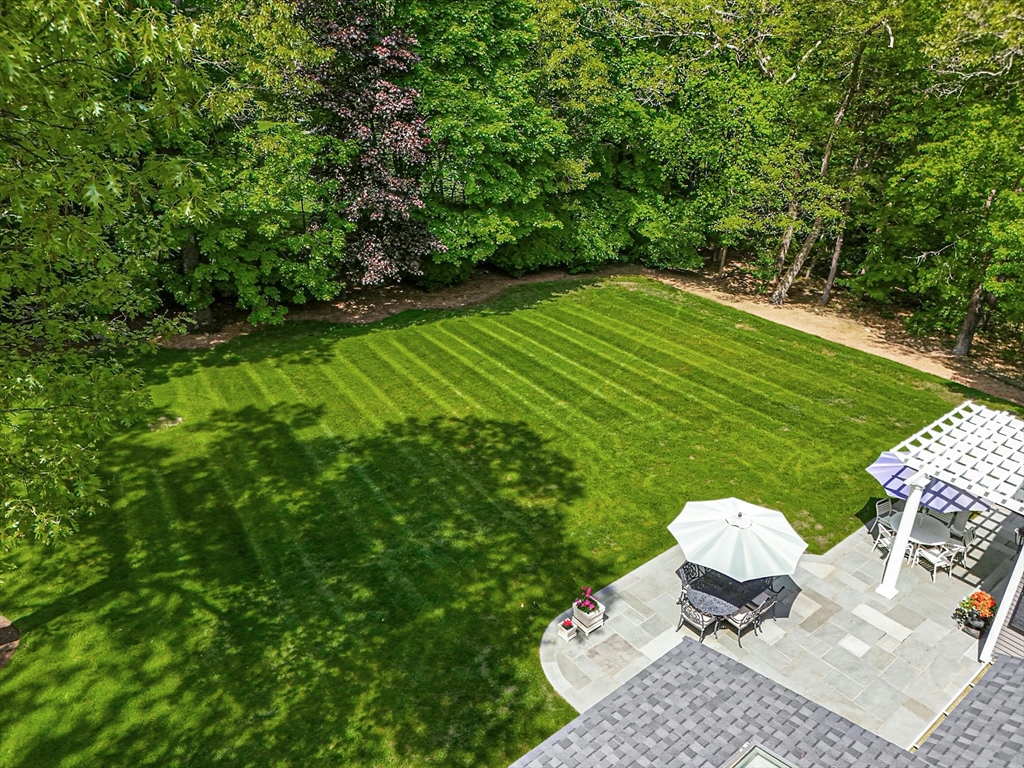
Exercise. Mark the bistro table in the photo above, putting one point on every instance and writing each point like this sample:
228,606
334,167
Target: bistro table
927,531
715,594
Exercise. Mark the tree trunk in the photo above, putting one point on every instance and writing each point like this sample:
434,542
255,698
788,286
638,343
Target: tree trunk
965,338
190,254
810,266
782,291
841,112
190,257
962,348
787,238
722,253
833,268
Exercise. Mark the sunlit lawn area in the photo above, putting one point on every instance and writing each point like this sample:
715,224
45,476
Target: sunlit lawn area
348,550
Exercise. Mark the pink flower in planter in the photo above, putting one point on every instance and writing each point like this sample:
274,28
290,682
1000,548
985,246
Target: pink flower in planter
584,602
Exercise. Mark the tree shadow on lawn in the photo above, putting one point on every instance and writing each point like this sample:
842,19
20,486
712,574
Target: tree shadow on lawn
307,342
310,600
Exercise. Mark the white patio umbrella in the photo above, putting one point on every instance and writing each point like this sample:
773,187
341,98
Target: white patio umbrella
737,538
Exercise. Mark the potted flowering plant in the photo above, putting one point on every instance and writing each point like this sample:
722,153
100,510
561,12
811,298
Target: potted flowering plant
973,613
587,612
566,629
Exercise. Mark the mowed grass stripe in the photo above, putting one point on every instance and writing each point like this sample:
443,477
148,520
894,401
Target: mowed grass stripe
446,383
366,383
559,420
728,392
548,352
440,401
770,359
692,358
649,371
455,470
301,556
805,384
397,576
709,364
615,367
287,535
730,405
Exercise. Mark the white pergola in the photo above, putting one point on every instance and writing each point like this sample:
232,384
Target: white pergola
973,448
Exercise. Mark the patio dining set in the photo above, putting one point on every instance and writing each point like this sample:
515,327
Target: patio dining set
734,552
708,598
938,541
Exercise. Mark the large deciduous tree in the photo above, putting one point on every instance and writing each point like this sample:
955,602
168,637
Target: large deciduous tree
951,230
371,172
258,150
96,100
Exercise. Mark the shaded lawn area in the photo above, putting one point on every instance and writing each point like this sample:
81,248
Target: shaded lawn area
347,552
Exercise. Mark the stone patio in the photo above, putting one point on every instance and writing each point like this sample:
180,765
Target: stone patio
890,666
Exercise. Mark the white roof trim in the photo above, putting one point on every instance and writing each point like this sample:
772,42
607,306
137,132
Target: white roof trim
976,449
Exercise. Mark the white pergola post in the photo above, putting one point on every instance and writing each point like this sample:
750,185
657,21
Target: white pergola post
887,588
1006,605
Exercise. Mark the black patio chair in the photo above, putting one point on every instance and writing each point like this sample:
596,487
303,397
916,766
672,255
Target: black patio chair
697,619
771,602
687,573
751,616
768,585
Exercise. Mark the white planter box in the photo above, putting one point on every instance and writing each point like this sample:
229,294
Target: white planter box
588,622
567,634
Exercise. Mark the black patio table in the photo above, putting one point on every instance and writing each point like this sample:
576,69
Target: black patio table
716,594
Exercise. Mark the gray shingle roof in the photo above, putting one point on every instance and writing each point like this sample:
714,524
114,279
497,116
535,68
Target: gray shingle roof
696,708
986,730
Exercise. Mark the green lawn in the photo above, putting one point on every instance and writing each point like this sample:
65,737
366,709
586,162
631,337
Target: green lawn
347,552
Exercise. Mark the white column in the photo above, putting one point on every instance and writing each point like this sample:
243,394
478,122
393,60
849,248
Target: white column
1003,610
887,588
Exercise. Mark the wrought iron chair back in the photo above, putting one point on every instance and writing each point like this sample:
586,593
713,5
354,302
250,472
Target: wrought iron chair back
698,619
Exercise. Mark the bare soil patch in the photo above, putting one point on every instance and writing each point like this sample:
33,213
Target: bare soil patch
9,639
848,325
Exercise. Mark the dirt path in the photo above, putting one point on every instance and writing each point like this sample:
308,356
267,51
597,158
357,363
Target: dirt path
883,337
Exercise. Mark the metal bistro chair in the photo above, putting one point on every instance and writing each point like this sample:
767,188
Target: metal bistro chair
960,549
885,534
770,588
938,557
772,602
750,616
696,619
959,524
883,511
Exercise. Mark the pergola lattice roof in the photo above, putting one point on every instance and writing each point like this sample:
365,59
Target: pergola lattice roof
977,449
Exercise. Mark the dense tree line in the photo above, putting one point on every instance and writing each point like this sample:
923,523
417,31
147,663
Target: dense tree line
875,144
158,156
